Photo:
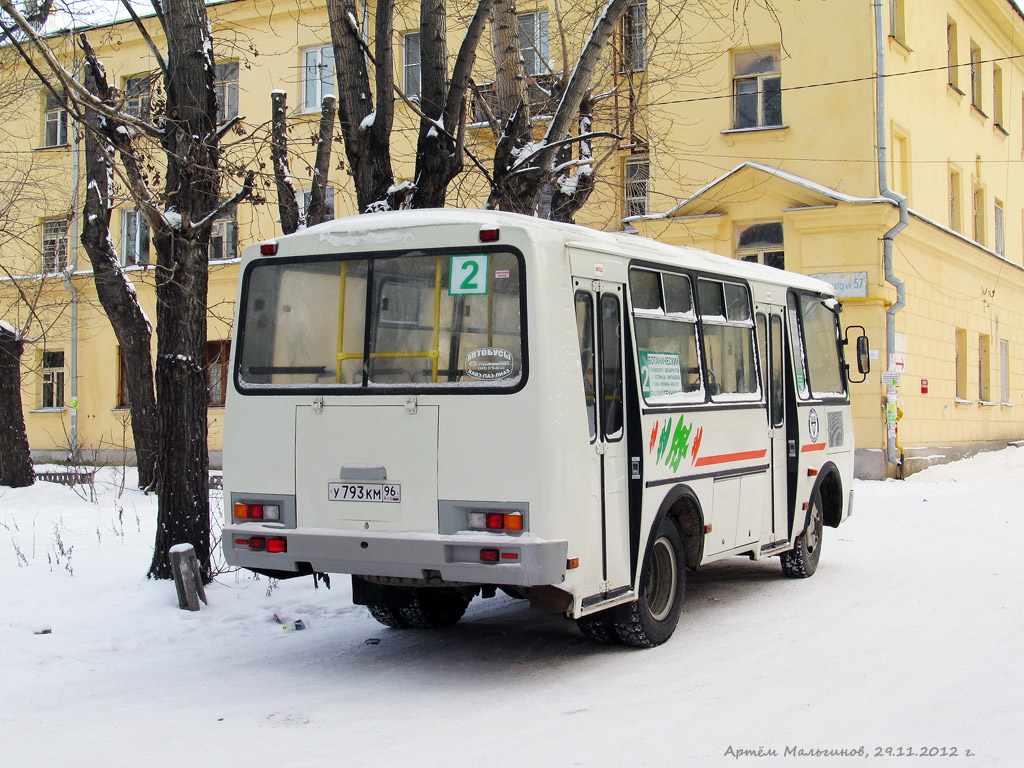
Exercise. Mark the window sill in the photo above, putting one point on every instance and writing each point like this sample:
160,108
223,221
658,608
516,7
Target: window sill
51,146
955,92
48,410
1000,129
959,401
1007,405
977,111
899,46
771,132
987,403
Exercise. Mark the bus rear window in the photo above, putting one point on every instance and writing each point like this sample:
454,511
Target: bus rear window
416,320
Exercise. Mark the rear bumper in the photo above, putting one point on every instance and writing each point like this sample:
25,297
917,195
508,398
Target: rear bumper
523,560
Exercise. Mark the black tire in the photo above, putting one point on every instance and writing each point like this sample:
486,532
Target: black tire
598,630
434,608
652,618
388,616
802,561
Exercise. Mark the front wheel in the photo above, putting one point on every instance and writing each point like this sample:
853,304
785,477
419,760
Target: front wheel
652,618
802,561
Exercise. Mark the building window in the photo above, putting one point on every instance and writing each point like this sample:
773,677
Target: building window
134,238
976,76
55,246
984,368
317,76
226,86
637,173
954,200
757,89
961,364
224,237
978,216
634,37
900,163
997,97
999,244
217,356
53,380
411,64
761,244
55,121
306,195
952,60
897,22
138,93
533,41
1004,371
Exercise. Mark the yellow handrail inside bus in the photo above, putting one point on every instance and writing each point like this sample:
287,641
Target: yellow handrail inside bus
437,320
341,322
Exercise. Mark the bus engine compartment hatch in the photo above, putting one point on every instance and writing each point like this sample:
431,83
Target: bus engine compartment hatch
366,467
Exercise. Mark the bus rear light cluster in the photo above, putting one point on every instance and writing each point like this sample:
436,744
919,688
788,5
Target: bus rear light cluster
262,543
496,555
257,512
496,521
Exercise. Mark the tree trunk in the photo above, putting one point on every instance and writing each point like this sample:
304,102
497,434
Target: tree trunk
116,295
181,286
366,132
318,211
287,194
15,460
571,192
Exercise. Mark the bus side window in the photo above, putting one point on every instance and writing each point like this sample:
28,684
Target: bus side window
611,367
585,331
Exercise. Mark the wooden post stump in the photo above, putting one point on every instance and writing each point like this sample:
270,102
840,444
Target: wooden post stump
187,579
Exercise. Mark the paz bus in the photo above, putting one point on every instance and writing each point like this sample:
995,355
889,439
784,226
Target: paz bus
446,403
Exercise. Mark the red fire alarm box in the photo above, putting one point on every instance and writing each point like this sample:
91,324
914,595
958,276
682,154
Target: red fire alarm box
924,386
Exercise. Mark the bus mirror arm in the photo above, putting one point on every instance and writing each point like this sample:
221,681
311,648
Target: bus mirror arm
863,353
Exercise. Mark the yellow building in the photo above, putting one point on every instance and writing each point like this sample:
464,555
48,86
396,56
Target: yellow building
754,135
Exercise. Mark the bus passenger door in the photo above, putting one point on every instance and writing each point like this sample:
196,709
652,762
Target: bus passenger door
599,314
771,337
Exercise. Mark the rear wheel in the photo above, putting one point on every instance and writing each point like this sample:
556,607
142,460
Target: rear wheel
802,561
651,619
426,608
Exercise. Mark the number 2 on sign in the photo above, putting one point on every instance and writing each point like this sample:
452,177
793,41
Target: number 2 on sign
468,275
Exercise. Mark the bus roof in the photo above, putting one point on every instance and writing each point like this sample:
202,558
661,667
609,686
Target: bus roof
391,230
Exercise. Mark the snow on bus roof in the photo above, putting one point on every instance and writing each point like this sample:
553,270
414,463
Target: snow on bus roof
394,229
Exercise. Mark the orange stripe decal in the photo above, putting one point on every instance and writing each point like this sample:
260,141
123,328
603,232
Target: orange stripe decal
813,447
725,458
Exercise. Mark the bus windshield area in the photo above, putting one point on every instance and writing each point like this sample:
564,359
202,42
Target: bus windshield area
418,319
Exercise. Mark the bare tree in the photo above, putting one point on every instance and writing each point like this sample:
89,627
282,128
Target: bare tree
180,217
292,216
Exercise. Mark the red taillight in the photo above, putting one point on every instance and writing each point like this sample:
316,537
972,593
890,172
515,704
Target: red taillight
268,249
257,542
489,555
489,235
495,520
277,544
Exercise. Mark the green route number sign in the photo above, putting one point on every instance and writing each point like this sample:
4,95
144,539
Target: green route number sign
468,275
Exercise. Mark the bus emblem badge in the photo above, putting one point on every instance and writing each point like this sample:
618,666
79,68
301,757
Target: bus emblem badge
812,425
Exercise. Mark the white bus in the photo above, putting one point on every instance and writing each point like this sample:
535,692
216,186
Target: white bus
445,403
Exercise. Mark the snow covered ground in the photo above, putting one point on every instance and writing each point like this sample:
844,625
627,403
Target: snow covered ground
909,636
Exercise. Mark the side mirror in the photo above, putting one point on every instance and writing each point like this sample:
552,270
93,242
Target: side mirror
863,354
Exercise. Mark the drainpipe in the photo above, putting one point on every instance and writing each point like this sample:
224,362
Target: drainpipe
893,454
69,270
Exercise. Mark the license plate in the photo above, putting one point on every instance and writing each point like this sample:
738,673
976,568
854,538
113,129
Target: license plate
387,493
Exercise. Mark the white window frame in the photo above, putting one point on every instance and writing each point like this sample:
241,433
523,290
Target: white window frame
51,396
634,37
1004,371
225,231
533,42
636,187
317,76
897,21
138,92
54,249
976,84
764,252
135,243
999,243
305,195
412,59
226,86
952,56
55,121
762,83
